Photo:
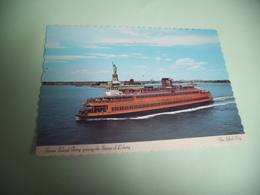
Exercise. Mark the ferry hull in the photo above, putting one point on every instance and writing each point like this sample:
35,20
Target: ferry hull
82,117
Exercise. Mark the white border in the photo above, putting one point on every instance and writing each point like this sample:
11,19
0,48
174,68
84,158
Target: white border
128,147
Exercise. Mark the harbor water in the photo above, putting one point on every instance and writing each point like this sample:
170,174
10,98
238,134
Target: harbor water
57,123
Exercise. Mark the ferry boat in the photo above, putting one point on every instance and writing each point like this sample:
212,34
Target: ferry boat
132,102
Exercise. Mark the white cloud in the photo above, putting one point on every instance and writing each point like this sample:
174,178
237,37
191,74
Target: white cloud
103,55
75,72
53,61
139,55
196,67
110,55
128,31
91,56
88,72
123,56
66,57
94,47
185,40
168,59
158,59
140,66
165,40
162,69
54,45
93,36
157,74
188,61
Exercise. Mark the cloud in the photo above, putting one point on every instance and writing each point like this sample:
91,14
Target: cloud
129,31
158,59
123,56
94,36
53,61
162,69
66,57
168,59
95,47
105,55
185,40
91,56
55,45
110,55
140,66
139,55
189,62
75,72
161,40
196,67
88,72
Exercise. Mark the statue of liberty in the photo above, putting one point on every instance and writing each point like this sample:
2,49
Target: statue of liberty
114,68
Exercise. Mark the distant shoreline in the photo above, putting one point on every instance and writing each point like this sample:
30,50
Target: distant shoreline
89,83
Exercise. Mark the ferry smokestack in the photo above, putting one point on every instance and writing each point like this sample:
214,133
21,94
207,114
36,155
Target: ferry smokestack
166,82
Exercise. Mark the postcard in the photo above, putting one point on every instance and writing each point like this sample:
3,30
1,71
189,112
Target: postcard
120,89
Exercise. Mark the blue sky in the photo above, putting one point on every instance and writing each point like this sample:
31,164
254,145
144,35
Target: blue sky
78,53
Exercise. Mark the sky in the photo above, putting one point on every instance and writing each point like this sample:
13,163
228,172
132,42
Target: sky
86,53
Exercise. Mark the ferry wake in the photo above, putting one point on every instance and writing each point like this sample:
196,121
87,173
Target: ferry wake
130,102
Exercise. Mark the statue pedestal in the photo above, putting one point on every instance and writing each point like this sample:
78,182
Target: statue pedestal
115,77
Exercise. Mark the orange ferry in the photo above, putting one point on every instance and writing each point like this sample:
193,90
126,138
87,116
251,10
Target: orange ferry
129,102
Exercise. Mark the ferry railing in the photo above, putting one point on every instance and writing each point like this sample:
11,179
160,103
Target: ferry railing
97,100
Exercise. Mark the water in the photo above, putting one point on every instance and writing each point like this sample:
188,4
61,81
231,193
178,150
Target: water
59,104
